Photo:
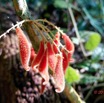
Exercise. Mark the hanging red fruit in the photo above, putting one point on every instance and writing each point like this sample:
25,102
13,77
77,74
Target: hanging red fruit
69,45
51,57
59,74
38,57
43,67
24,48
57,42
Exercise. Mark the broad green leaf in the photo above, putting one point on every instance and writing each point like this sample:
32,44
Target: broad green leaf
60,4
93,41
64,5
72,75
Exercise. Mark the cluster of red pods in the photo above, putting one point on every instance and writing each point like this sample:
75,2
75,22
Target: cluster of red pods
50,57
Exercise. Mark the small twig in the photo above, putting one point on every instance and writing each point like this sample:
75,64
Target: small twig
18,24
95,86
58,29
89,93
40,32
43,28
49,23
76,30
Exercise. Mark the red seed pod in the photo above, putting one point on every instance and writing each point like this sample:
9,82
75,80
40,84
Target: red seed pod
24,48
43,67
65,60
57,42
38,57
55,46
32,56
69,45
59,75
51,57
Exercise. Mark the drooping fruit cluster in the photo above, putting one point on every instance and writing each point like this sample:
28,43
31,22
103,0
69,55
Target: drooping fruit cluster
50,56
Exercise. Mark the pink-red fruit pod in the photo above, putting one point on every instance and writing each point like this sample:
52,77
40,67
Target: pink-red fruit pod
59,75
24,48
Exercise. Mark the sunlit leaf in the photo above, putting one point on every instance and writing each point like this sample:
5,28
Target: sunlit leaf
93,41
64,5
72,75
60,4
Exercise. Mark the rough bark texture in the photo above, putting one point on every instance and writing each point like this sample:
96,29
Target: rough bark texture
7,87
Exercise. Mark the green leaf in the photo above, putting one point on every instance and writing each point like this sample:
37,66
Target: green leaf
88,79
93,21
98,53
72,75
93,41
75,40
60,4
64,5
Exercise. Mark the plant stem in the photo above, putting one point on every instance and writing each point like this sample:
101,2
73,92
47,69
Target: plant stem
4,34
72,95
23,12
95,86
76,30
